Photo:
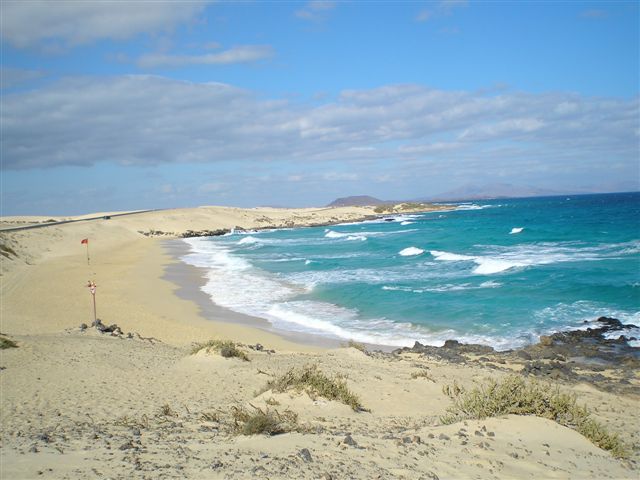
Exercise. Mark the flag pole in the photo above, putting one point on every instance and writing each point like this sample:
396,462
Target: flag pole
86,242
92,289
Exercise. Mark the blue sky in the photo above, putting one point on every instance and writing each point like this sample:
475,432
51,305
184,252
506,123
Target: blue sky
126,105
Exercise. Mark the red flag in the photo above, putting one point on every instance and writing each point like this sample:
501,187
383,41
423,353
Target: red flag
86,240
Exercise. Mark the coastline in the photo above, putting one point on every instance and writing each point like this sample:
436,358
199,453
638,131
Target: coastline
78,403
189,279
570,355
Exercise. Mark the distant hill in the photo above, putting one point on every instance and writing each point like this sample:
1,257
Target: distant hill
356,201
496,190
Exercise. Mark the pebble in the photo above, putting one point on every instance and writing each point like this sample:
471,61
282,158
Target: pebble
305,454
348,440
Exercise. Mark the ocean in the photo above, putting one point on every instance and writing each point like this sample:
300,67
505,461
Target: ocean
498,272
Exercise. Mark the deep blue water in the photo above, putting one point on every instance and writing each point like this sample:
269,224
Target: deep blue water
457,274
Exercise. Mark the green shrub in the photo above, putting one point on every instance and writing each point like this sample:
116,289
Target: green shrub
226,348
513,395
314,382
268,422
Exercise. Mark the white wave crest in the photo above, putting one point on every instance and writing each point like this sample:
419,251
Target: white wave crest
486,265
248,240
454,257
473,206
410,251
515,230
496,259
443,288
406,222
363,235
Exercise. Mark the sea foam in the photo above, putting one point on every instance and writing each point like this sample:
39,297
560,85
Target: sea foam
410,251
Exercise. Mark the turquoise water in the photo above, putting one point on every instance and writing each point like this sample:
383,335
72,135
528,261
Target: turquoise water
498,272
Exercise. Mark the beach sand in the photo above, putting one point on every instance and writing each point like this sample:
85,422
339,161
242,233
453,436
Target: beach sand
81,404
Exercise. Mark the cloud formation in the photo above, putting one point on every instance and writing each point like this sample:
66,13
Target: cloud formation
150,120
443,8
12,77
241,54
316,10
33,23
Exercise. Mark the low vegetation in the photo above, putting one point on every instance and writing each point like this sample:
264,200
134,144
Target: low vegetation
383,209
7,343
357,346
402,207
315,383
267,422
422,373
226,348
132,422
6,251
210,417
166,411
514,395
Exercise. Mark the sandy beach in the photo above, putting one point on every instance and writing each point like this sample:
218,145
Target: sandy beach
77,403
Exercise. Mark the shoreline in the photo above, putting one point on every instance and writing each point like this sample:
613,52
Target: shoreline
572,355
85,403
189,279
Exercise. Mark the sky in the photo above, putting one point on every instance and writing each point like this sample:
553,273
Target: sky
114,105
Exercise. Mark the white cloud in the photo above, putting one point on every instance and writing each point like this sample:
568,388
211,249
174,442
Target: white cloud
340,176
35,23
443,8
11,77
150,120
316,10
215,187
240,54
594,14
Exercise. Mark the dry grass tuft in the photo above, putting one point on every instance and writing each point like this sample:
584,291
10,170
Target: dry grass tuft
311,380
7,343
422,373
210,417
6,251
357,346
130,422
268,422
226,348
513,395
166,411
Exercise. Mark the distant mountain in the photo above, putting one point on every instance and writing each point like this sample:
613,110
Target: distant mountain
356,201
496,190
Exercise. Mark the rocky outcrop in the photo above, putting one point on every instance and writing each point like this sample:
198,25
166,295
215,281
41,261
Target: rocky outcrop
574,356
